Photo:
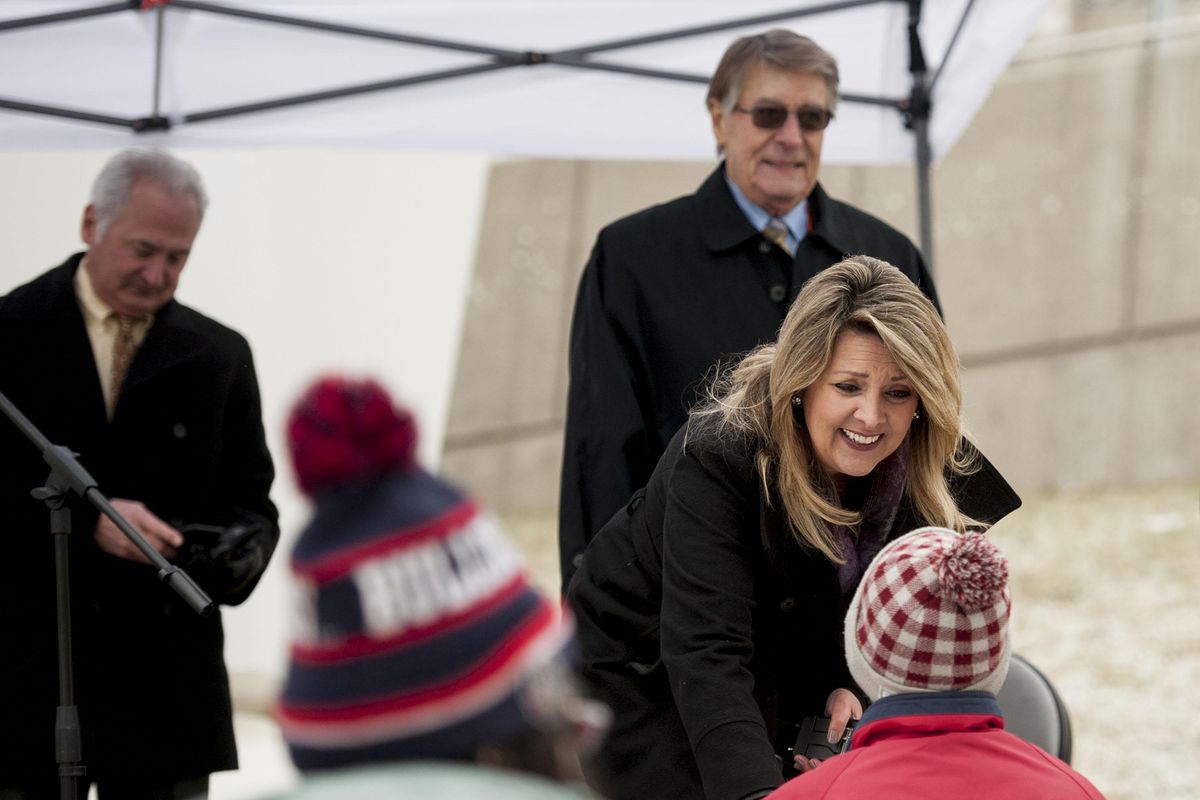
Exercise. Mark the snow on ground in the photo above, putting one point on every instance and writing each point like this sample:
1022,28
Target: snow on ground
1105,603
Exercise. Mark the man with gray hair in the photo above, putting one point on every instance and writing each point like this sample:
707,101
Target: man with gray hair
672,289
161,403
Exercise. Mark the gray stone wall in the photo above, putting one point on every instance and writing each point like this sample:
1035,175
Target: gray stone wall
1067,232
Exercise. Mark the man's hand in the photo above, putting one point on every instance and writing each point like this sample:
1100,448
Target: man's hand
158,534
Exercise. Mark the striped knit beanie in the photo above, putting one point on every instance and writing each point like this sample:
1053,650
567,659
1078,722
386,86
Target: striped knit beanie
416,630
931,615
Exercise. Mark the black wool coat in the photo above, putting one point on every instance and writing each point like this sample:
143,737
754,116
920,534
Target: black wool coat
187,440
710,631
667,293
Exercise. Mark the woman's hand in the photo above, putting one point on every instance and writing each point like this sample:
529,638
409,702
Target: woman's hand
841,707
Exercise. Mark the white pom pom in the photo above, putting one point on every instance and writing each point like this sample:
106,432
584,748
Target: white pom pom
972,572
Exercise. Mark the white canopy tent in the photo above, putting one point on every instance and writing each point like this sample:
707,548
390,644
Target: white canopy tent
614,79
549,78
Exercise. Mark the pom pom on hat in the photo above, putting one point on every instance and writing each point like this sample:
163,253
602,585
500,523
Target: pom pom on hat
971,572
342,431
931,614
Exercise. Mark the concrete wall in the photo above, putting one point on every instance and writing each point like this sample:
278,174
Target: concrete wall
1068,238
1066,227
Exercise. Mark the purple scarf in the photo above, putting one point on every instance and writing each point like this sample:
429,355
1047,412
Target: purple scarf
879,510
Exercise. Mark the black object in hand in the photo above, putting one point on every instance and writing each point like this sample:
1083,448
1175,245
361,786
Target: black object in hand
812,738
226,561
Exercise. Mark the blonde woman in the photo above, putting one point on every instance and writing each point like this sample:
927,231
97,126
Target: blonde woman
729,575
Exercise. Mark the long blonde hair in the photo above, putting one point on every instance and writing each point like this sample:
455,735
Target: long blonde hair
753,399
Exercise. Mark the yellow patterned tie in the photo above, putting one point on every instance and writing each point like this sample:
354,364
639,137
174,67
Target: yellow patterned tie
124,346
777,232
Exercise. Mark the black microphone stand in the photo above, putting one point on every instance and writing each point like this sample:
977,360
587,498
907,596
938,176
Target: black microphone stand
67,478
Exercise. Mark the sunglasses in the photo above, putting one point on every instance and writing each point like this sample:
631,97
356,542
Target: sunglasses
772,118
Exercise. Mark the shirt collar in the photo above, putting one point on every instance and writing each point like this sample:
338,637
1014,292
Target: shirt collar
972,701
926,710
93,307
796,220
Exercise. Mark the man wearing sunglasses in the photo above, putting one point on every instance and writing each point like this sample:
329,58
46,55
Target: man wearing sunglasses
671,290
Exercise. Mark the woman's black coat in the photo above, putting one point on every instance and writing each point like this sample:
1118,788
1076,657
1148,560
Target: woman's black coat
710,631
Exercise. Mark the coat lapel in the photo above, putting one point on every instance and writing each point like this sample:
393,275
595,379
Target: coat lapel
169,345
723,225
59,334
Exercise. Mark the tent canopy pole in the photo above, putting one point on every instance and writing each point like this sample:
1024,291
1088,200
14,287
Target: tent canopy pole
497,58
915,108
916,118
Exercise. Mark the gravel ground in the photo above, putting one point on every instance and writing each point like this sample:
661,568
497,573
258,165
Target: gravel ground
1105,602
1104,587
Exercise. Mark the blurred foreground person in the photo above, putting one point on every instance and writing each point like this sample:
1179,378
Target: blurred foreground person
424,664
927,640
162,405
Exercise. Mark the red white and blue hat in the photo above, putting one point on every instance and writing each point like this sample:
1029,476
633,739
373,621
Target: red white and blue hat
416,629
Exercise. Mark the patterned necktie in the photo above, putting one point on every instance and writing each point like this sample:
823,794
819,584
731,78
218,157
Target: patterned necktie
124,346
777,232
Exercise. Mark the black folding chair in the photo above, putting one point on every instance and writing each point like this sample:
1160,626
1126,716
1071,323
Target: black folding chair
1034,710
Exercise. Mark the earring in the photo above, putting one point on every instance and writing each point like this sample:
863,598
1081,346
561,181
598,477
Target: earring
797,400
917,414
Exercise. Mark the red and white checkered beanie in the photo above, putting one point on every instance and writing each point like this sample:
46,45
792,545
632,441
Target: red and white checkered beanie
931,615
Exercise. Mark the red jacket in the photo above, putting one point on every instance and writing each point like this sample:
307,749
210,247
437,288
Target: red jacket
951,744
